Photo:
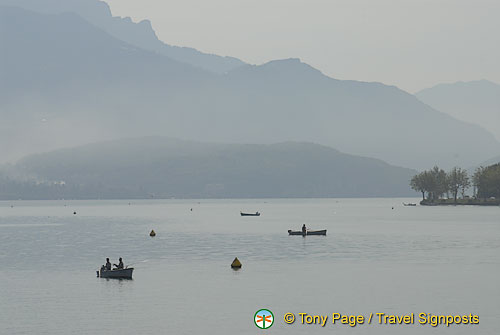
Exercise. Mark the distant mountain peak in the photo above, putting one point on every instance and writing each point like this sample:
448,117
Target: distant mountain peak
289,67
291,60
287,62
140,34
478,81
461,84
476,101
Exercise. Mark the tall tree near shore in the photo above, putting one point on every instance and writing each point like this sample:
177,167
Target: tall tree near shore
417,183
433,181
457,179
438,182
476,179
488,181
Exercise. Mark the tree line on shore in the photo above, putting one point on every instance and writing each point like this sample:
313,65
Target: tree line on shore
435,183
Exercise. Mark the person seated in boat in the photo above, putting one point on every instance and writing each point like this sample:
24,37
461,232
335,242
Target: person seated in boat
304,229
119,266
108,264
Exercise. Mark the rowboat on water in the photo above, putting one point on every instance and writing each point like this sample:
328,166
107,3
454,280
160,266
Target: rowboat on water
308,232
250,214
116,273
409,204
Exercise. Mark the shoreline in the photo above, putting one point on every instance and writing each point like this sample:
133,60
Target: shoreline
461,202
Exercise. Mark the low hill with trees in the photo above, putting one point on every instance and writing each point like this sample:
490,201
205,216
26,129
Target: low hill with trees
162,167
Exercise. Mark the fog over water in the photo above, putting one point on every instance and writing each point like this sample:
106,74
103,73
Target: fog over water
439,260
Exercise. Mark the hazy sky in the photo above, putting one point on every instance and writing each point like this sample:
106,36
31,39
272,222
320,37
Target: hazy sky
411,44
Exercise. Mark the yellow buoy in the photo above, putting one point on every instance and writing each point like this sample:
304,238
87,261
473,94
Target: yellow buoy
236,264
153,233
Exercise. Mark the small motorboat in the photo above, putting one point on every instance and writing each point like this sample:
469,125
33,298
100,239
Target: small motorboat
308,232
250,214
116,273
409,204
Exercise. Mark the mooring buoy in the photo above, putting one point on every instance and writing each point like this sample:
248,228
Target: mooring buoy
236,264
153,233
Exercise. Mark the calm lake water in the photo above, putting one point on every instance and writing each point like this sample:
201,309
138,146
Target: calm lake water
439,260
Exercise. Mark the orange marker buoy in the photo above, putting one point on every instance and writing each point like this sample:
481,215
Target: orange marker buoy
152,234
236,264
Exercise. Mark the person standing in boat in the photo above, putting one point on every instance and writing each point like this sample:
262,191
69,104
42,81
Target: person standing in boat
108,264
304,229
120,264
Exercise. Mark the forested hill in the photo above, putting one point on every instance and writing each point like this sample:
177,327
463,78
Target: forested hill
162,168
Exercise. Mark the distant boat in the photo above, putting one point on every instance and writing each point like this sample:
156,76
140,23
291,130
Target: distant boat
309,232
250,214
409,204
116,274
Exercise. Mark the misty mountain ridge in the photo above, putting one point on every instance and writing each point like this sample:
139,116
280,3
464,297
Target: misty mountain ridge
491,161
165,167
473,101
67,82
140,34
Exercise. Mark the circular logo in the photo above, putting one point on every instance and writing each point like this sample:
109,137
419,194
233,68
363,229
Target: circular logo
264,318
